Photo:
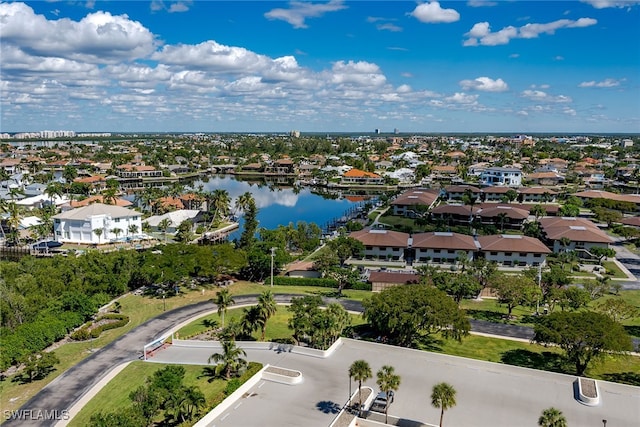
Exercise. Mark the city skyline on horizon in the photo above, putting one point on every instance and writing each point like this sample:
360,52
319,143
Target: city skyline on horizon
480,67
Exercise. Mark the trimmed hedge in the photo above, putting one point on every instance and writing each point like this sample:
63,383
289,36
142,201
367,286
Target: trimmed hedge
86,333
304,281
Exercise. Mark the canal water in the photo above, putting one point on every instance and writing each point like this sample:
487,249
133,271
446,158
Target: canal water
281,205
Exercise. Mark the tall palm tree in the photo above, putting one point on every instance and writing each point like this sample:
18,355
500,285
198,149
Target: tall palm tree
164,226
443,396
230,361
53,190
98,232
220,202
223,300
132,229
110,195
252,319
388,381
267,307
552,417
116,231
360,371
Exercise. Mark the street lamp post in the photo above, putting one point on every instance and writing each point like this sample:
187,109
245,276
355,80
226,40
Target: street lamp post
273,254
164,303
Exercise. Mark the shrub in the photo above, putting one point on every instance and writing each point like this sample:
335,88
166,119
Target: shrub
304,281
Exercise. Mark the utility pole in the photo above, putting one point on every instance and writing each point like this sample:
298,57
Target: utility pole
273,254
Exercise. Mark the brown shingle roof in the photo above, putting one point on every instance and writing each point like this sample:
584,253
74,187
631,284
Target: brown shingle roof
393,277
575,229
511,212
444,240
512,243
381,238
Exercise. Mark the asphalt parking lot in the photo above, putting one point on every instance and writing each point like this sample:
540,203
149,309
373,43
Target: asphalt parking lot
488,394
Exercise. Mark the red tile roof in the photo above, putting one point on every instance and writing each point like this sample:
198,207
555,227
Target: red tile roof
376,237
444,240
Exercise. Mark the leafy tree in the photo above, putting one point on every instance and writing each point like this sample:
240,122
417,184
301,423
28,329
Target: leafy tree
584,336
617,309
38,366
538,211
184,233
117,231
345,276
443,396
223,300
407,313
552,417
515,290
460,286
602,253
230,361
345,247
388,381
126,417
360,371
574,298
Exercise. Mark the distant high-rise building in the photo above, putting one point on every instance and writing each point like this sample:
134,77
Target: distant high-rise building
295,133
377,131
396,131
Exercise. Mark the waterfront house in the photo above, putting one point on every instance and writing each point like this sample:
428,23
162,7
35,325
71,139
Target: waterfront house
360,177
413,203
137,171
382,244
80,225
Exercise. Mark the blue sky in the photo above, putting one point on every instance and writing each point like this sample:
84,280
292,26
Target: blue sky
337,66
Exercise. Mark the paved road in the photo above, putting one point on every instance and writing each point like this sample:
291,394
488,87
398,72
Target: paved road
68,388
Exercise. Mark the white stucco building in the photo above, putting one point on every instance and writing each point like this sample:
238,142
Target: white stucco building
80,225
510,177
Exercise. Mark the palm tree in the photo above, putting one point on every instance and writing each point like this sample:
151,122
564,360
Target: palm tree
443,396
116,231
98,232
110,195
187,402
502,217
552,417
252,320
388,381
268,307
164,226
230,361
360,371
53,190
223,301
220,201
132,229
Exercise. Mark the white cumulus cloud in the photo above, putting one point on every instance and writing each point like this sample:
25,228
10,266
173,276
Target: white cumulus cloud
481,34
484,84
432,13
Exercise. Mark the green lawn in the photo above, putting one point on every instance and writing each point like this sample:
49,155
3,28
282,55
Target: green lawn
612,267
276,326
625,369
115,395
